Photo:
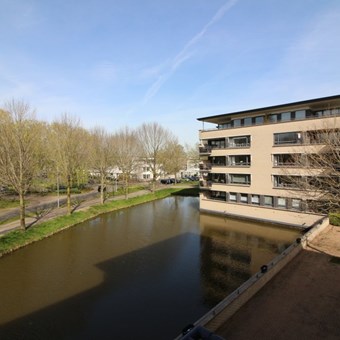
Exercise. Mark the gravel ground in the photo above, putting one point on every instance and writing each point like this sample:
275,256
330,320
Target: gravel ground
301,302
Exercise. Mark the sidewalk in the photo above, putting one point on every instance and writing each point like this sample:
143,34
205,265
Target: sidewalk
300,302
46,207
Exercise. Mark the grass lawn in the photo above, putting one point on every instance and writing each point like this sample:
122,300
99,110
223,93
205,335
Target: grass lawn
8,203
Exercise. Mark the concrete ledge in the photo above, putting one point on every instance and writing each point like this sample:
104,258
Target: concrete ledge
233,302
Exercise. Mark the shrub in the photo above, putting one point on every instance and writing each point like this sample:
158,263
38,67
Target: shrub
334,218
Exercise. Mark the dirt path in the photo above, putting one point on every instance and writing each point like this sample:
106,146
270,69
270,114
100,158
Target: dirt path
327,242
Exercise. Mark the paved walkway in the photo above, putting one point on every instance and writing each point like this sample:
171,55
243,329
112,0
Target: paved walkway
301,302
45,208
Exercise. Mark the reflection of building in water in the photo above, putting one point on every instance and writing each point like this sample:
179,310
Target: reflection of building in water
233,250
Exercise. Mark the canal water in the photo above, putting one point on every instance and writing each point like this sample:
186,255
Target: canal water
139,273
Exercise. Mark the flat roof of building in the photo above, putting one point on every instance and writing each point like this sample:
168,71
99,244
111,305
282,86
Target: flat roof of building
315,104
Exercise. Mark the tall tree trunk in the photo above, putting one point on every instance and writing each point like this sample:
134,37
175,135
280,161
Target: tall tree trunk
22,211
102,188
126,185
69,194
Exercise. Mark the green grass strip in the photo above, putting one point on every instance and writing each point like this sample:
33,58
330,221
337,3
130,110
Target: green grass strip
334,218
17,239
4,204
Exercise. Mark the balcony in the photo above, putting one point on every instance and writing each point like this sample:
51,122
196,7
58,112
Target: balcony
205,150
205,184
205,167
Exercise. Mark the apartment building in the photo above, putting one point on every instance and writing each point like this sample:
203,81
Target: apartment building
247,157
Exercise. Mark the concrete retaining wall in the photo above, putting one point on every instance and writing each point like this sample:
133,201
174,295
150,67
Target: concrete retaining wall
226,308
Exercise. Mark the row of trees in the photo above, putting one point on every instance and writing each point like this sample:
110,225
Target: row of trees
30,149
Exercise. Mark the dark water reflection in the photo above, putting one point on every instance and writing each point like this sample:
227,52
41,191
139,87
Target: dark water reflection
141,273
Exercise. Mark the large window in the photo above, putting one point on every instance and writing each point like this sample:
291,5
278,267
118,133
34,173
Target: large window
239,160
258,120
217,178
285,159
301,114
287,138
239,142
217,143
240,179
218,160
322,136
218,195
286,181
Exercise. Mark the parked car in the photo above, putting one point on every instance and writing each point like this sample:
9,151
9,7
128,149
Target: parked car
166,181
191,178
170,181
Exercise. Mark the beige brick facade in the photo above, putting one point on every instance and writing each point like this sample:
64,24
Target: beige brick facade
243,159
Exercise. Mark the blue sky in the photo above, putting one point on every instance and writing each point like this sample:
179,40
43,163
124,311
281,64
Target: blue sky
124,62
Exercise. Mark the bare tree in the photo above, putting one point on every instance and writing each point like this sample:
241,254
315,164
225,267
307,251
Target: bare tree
69,149
173,158
127,154
101,156
193,155
153,139
20,149
315,170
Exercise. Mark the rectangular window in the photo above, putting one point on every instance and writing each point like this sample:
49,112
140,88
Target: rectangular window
239,141
285,116
232,197
218,160
281,202
285,159
296,203
240,179
287,138
237,122
255,199
217,143
239,160
286,181
273,118
301,114
258,120
244,198
218,178
268,201
218,195
247,121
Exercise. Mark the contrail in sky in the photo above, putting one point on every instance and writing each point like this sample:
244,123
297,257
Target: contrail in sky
185,54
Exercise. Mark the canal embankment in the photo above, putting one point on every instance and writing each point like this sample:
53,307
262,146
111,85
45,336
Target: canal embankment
294,296
51,220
